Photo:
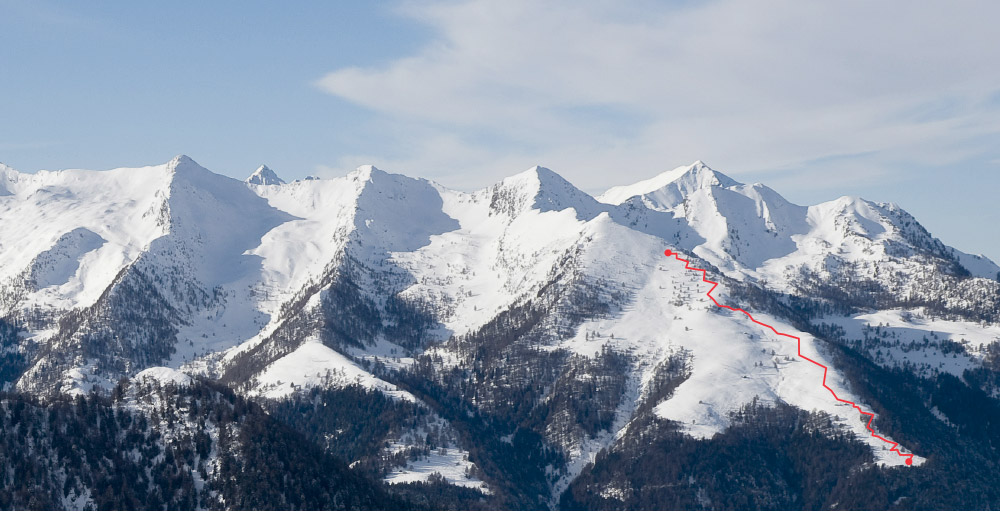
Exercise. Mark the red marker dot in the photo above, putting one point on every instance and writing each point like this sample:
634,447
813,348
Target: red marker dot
704,273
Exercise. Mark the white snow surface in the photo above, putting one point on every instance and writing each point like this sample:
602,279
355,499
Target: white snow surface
979,265
667,190
264,176
916,338
314,364
164,375
256,244
732,357
76,230
451,463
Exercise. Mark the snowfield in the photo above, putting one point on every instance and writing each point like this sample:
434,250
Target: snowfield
249,269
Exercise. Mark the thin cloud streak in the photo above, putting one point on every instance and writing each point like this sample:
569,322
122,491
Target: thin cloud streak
747,87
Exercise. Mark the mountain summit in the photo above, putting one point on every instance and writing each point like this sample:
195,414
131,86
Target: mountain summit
669,189
264,176
520,346
540,188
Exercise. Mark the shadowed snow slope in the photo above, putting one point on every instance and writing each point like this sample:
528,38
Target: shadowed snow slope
278,287
264,176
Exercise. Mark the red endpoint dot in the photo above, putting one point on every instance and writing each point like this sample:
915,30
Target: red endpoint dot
668,252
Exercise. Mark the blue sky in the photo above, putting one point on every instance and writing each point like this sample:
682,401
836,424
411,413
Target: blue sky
890,101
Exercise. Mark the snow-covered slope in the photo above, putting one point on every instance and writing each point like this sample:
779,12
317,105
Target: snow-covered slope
751,231
163,258
64,235
735,226
669,189
528,286
264,176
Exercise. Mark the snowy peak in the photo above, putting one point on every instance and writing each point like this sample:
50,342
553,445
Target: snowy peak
7,177
669,189
733,225
395,213
216,218
853,216
187,176
541,189
182,163
699,175
264,176
183,169
537,181
366,172
13,181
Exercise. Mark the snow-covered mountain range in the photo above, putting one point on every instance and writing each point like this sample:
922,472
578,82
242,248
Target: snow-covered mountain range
529,302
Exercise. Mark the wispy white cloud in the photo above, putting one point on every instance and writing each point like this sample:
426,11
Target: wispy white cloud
44,15
607,94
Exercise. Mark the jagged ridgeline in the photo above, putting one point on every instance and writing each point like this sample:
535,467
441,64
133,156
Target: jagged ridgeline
173,338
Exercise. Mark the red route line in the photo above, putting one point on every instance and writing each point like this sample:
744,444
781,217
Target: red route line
871,415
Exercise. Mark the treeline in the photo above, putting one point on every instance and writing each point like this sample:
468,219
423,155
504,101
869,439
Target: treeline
355,424
774,456
12,360
152,447
349,315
